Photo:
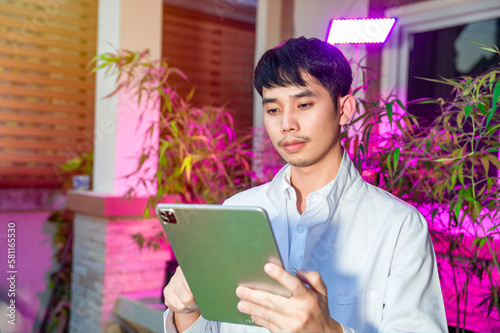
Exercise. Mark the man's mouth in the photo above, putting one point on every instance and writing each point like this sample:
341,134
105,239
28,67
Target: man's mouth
293,145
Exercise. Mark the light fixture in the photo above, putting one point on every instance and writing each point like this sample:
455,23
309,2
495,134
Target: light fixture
357,31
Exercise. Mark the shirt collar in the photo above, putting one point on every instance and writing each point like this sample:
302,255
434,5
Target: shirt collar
344,186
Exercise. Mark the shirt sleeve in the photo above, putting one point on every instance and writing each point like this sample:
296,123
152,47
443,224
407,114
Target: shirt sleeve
200,325
413,301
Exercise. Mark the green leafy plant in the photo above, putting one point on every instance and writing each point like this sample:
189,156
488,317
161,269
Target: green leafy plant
58,310
448,169
81,164
200,158
76,166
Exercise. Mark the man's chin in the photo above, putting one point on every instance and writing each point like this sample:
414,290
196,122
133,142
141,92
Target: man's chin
300,163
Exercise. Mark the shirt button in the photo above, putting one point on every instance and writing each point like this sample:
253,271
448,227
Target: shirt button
300,229
293,270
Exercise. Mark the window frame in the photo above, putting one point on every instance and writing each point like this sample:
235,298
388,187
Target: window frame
422,17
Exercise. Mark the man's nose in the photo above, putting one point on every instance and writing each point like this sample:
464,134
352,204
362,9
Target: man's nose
290,122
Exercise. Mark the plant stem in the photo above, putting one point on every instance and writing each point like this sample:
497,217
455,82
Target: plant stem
450,254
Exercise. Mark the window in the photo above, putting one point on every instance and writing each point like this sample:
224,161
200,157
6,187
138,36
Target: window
443,21
46,92
431,39
217,55
448,52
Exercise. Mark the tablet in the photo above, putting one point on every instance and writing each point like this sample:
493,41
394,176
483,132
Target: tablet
219,248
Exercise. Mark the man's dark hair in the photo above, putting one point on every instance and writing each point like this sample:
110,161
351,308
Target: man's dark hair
286,64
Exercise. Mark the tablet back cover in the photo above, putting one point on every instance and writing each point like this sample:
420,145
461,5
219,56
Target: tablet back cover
219,248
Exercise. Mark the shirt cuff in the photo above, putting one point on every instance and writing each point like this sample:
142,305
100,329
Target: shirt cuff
169,326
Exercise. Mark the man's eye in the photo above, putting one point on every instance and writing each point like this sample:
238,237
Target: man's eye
272,111
305,105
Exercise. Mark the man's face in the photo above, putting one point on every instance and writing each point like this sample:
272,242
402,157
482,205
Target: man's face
302,123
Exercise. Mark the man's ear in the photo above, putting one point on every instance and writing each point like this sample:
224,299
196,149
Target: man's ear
347,107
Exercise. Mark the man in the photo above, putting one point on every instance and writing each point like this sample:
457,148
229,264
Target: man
355,257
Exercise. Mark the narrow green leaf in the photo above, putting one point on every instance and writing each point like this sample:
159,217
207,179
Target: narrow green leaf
388,163
461,174
428,100
496,96
389,109
493,159
484,46
453,179
362,149
467,110
480,241
190,95
366,133
369,131
486,164
443,80
482,108
458,207
187,165
447,159
434,213
396,158
467,194
174,128
494,227
460,117
401,104
490,115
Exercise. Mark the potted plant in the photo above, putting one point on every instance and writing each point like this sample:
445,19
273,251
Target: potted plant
76,173
201,158
448,169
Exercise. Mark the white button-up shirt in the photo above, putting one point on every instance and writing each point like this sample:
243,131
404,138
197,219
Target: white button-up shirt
372,250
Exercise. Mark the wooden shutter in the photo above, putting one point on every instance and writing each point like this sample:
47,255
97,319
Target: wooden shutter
217,55
46,91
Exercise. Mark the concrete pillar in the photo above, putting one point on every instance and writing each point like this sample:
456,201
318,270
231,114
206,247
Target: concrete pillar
107,262
118,137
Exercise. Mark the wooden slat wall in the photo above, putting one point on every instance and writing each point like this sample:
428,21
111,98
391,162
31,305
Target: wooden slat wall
217,56
46,90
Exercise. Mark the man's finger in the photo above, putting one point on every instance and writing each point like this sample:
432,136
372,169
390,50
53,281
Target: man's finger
262,298
182,278
287,280
314,280
262,316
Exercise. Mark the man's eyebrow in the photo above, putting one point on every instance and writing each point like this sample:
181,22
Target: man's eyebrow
303,93
268,100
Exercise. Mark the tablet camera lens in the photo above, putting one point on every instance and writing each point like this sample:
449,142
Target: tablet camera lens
168,217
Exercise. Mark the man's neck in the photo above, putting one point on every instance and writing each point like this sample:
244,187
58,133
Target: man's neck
308,179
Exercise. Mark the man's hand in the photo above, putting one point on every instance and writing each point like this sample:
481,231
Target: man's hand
180,300
306,311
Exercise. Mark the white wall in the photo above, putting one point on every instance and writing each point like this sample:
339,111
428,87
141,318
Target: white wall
311,19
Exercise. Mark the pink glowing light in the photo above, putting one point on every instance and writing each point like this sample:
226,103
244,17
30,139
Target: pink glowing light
356,31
